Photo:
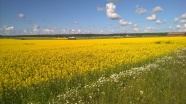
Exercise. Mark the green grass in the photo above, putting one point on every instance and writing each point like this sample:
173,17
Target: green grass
162,82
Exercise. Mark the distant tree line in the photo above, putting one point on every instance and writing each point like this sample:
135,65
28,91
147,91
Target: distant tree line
89,35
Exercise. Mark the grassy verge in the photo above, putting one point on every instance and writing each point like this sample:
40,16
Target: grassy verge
161,82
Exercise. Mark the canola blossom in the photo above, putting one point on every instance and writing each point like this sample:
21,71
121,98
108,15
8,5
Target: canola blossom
30,62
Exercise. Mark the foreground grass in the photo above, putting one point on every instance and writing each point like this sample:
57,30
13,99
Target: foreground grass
162,82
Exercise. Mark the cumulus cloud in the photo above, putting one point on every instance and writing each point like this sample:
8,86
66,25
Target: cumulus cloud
87,31
100,8
136,29
184,27
183,21
110,11
25,31
149,29
176,19
73,31
8,28
151,18
78,31
124,23
160,22
181,28
170,28
64,31
183,16
140,10
21,15
36,28
178,26
157,9
48,31
135,25
102,31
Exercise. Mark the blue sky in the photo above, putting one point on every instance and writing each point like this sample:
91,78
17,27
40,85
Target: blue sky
91,16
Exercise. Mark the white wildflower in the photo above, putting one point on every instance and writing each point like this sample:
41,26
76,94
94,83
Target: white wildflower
141,92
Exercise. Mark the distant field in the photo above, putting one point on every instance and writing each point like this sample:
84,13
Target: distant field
40,69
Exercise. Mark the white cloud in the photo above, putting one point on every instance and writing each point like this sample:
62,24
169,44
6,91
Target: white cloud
157,9
160,22
178,26
73,31
101,31
146,30
151,18
136,29
87,32
36,28
25,31
8,28
135,25
110,10
181,28
184,29
176,19
63,30
78,31
100,8
149,29
124,23
183,16
170,28
140,10
183,21
21,15
48,31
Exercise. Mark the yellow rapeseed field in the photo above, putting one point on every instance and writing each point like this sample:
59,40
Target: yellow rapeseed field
27,62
